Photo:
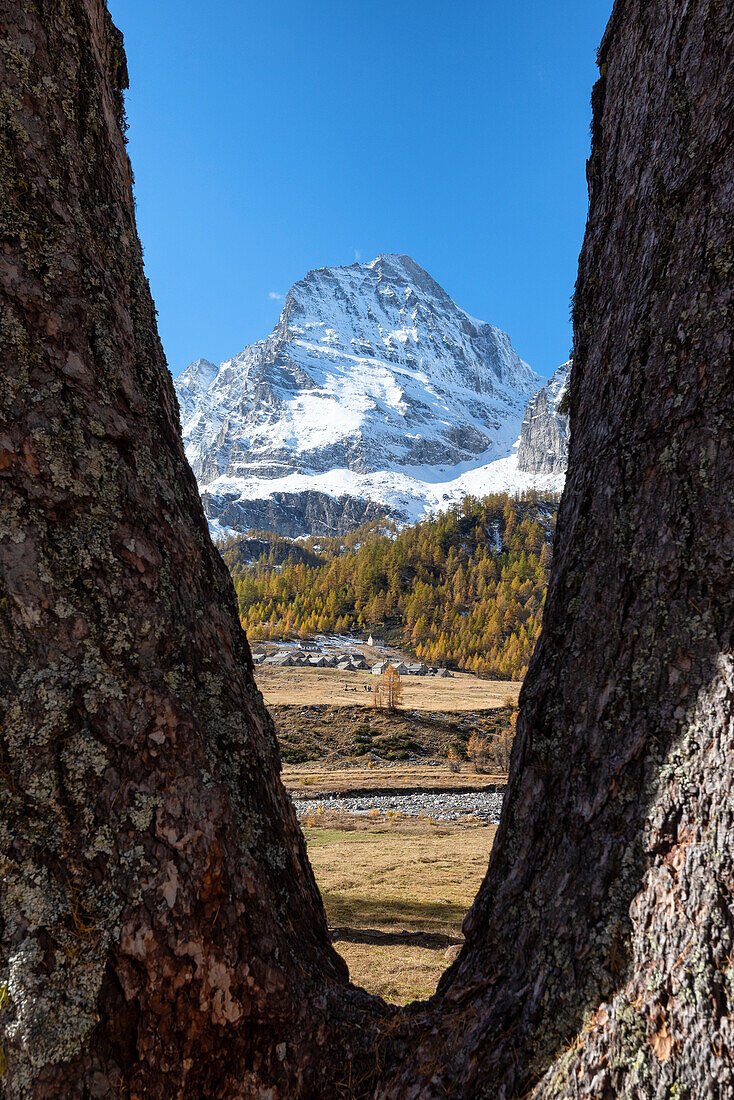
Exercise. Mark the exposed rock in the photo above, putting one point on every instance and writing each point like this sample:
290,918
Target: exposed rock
544,433
293,514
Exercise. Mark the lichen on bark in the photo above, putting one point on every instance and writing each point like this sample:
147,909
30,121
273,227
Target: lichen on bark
155,891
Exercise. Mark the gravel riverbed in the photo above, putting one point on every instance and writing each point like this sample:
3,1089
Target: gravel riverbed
443,806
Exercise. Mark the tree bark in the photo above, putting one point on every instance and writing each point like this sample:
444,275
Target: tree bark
162,934
598,953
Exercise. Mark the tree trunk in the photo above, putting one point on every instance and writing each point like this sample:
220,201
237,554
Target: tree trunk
161,933
598,960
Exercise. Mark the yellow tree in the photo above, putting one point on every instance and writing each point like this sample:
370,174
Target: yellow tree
394,687
389,693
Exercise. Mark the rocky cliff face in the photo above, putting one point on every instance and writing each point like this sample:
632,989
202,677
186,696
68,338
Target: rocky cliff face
292,514
374,392
543,445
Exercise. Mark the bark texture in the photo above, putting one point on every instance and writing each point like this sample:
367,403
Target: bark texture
160,922
598,960
161,933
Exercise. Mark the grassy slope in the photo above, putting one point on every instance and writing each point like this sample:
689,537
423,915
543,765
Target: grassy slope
319,733
411,875
313,687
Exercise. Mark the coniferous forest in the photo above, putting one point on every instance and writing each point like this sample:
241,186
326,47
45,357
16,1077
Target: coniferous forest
463,589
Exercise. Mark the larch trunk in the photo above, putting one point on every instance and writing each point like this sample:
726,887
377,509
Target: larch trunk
162,934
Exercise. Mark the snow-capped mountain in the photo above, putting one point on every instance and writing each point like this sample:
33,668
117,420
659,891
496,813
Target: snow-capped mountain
543,445
375,393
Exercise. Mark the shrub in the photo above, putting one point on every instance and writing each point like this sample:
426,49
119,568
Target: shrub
491,752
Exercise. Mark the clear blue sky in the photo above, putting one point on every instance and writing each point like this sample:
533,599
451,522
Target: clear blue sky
271,138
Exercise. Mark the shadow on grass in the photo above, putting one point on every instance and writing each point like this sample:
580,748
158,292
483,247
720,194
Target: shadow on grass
409,914
436,940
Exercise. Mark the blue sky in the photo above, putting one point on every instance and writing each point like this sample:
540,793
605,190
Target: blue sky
268,139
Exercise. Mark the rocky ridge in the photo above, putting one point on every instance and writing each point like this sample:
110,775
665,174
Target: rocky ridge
543,445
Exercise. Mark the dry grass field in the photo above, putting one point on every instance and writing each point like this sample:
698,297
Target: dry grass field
311,686
416,876
314,779
395,889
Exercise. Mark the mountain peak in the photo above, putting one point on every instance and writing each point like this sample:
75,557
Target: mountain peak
398,261
198,375
395,265
373,386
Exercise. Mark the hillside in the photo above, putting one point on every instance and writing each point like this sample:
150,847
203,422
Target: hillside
464,589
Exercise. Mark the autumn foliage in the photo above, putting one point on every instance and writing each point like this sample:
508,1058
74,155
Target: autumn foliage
464,589
388,693
490,752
